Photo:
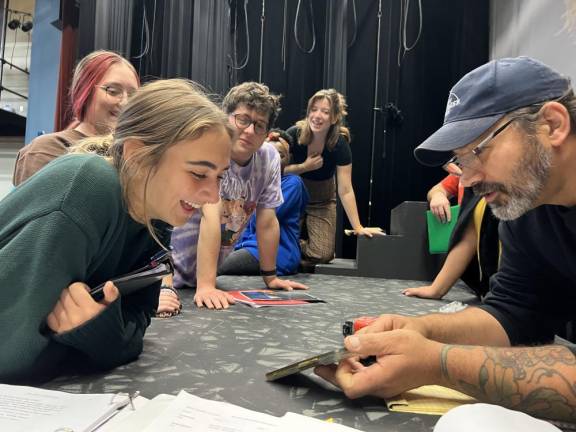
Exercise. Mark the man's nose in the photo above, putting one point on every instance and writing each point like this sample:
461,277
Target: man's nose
470,177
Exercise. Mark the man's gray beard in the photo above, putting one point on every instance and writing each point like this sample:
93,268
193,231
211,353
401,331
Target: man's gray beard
516,206
530,176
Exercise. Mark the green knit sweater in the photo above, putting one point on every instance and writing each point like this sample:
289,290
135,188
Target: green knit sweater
68,223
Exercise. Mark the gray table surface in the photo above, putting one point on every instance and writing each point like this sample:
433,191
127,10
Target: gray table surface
223,355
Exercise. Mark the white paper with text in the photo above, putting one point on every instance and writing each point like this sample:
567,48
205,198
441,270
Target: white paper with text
33,409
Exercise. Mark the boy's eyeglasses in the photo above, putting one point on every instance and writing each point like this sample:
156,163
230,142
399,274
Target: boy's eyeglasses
243,121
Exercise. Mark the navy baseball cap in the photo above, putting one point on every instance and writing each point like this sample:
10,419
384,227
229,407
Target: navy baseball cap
483,96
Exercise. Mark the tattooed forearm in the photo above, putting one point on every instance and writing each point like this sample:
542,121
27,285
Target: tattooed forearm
537,380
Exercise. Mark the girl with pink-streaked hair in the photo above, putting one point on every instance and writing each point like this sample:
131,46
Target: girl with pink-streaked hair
102,83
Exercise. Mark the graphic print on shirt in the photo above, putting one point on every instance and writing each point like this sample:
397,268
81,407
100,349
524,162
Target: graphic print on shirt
237,207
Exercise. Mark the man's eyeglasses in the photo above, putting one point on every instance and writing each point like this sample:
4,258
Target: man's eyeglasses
471,159
243,121
116,93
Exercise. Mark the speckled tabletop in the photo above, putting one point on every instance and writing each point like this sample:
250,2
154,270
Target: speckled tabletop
223,355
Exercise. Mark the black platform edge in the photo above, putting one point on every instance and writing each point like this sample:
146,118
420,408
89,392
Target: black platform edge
338,267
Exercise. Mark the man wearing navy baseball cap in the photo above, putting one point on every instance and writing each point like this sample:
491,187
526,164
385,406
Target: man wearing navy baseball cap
510,133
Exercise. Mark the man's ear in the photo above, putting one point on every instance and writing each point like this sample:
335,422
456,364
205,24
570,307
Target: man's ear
130,147
557,120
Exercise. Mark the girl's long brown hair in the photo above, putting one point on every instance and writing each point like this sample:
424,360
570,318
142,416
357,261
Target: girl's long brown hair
160,114
338,115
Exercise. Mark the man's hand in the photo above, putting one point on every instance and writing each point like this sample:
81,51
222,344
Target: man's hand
284,284
404,360
213,298
440,207
394,322
76,306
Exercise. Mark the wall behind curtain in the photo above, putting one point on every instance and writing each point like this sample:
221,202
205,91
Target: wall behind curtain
536,29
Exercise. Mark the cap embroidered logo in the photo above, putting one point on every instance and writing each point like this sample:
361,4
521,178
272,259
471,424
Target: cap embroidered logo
453,101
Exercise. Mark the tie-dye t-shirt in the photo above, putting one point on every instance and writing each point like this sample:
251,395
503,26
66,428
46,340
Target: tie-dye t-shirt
242,190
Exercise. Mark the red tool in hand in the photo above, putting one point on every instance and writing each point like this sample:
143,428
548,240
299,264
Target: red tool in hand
352,326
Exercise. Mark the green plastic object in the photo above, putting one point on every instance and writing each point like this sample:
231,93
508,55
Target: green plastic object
439,233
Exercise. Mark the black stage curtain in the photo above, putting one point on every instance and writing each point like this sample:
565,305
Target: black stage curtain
300,72
336,51
210,36
86,27
113,22
411,97
187,39
105,24
208,41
